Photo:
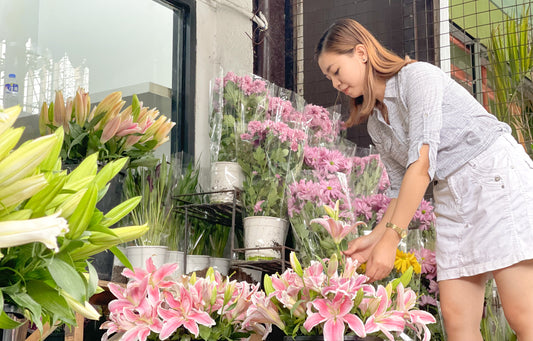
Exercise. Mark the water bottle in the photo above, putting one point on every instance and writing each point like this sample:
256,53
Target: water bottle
11,91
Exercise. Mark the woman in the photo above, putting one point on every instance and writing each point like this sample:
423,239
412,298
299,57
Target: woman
426,128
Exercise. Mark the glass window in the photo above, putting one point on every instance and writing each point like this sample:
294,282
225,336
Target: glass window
103,46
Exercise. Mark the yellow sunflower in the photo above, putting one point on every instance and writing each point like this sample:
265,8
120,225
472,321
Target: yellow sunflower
404,260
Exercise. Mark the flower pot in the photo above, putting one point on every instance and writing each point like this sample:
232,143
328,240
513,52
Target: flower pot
220,264
225,176
16,334
139,254
176,257
264,232
321,338
197,263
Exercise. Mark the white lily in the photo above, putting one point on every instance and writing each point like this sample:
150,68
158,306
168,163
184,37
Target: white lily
44,230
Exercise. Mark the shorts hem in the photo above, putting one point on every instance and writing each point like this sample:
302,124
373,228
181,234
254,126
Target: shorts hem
477,269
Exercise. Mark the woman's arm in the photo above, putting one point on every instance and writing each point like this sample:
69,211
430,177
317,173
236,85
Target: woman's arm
414,184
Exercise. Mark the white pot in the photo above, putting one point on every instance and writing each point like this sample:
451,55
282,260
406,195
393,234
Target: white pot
267,232
225,176
197,263
176,257
220,264
139,254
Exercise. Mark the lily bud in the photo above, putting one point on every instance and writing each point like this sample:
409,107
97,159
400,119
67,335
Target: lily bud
8,117
43,119
59,109
110,129
85,308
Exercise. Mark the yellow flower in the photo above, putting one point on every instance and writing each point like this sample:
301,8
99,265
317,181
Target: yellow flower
404,260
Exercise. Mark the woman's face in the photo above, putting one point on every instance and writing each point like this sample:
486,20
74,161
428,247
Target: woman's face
346,71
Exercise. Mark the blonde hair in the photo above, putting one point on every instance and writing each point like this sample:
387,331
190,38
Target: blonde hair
342,38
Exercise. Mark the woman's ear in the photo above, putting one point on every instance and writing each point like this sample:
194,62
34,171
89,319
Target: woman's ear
360,51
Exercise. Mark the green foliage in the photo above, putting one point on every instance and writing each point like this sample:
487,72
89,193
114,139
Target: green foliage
510,55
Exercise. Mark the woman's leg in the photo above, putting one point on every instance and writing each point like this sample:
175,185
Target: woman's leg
462,306
515,286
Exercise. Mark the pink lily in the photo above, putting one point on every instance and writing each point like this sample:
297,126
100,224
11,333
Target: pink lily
334,313
337,229
182,313
383,319
418,318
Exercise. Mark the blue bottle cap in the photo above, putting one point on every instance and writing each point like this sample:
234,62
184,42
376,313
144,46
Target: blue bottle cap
12,75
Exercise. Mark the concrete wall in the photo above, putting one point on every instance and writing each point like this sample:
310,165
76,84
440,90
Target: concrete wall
223,45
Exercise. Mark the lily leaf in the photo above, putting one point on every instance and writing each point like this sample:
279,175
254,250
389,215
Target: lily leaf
67,278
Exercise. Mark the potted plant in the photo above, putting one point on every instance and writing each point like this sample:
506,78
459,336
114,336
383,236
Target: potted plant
235,101
51,228
134,132
154,186
271,150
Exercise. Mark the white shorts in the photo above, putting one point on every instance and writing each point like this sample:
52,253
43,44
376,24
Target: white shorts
485,212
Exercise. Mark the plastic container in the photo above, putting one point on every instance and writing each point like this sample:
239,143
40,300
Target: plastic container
11,91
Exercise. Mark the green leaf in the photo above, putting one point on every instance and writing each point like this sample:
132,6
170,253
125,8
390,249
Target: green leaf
67,278
22,299
121,257
53,303
7,323
92,283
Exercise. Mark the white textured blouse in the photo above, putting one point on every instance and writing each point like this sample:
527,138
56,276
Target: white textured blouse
426,106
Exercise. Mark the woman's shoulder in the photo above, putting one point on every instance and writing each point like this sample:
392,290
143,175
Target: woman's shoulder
421,68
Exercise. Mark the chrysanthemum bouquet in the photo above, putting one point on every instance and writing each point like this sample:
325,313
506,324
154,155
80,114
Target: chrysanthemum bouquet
134,132
235,101
271,150
325,180
320,299
157,306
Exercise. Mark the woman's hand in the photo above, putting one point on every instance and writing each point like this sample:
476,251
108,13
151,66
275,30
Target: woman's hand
360,248
381,260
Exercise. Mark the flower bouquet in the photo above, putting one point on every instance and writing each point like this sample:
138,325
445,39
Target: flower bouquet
235,100
321,300
113,133
50,227
271,150
326,179
156,306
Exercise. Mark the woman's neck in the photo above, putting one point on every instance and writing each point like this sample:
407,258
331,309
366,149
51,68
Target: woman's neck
380,88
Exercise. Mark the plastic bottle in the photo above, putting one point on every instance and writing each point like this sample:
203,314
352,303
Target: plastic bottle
11,91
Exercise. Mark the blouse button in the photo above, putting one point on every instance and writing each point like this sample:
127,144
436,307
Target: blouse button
497,178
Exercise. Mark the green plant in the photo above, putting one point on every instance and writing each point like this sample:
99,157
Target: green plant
154,185
50,227
510,55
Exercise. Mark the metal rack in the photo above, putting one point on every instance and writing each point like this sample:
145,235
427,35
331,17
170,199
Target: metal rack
227,214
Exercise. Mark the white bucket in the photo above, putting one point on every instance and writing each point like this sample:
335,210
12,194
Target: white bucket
222,265
176,257
225,176
139,254
262,231
197,263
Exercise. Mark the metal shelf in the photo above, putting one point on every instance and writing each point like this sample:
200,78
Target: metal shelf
226,214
